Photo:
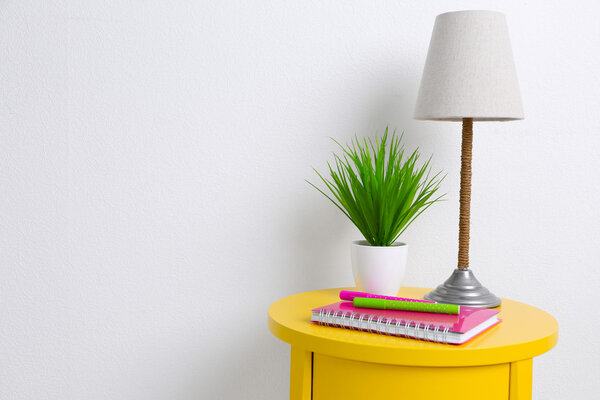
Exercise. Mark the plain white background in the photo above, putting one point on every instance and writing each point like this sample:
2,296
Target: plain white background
153,204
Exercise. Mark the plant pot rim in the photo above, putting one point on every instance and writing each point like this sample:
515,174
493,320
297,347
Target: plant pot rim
364,243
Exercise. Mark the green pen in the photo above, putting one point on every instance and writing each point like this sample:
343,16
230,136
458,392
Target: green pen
382,304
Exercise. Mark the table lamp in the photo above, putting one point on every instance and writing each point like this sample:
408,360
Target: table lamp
469,75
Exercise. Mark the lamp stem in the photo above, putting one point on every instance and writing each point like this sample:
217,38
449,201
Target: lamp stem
462,287
465,193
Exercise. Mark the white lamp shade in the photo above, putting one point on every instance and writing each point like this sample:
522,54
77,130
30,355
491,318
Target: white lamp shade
469,72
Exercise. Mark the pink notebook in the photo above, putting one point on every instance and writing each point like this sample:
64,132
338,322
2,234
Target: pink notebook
443,328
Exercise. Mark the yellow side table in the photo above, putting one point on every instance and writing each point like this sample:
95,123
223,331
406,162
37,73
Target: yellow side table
336,363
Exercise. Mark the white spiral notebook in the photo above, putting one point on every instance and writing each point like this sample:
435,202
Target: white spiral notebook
442,328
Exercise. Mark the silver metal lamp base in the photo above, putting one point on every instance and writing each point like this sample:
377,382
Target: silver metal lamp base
464,289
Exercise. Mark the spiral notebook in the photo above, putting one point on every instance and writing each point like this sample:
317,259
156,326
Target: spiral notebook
443,328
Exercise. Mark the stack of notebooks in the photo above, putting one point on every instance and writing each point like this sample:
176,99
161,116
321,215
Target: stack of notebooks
411,318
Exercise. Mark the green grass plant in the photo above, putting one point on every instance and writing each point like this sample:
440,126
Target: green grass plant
379,189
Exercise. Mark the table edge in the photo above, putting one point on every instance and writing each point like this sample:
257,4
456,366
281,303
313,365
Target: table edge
426,357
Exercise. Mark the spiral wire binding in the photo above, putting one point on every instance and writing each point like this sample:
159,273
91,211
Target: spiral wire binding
435,333
398,327
430,332
369,324
352,316
387,326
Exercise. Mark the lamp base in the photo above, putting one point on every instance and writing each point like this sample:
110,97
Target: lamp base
464,289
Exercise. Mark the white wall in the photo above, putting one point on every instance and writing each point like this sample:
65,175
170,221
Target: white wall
153,157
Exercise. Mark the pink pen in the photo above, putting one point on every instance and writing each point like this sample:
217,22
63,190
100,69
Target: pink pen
349,296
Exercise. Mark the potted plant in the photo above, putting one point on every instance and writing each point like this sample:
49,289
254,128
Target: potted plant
382,192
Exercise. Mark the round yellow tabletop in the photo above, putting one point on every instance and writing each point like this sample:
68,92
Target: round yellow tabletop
525,332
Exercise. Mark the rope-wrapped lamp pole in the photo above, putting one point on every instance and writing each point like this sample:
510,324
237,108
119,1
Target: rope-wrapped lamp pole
465,193
462,287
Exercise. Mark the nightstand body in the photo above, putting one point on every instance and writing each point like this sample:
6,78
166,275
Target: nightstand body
330,363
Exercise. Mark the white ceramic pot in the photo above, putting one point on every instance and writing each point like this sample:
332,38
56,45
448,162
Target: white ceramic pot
378,269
